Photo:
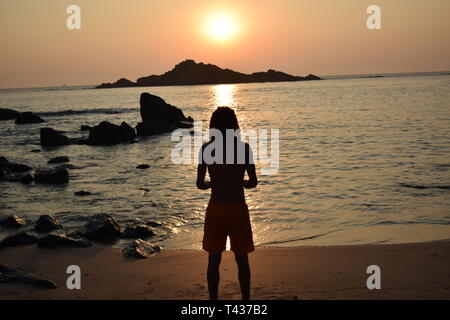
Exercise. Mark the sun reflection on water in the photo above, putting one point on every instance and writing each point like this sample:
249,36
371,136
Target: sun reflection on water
223,95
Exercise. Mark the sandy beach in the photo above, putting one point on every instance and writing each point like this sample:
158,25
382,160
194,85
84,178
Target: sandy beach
408,271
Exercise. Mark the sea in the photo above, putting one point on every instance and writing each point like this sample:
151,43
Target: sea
363,159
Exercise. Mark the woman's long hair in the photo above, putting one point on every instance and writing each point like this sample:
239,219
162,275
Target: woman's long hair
223,118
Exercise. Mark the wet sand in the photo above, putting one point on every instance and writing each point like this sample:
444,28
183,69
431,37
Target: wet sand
408,271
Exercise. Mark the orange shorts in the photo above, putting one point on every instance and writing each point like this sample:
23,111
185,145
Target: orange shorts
227,219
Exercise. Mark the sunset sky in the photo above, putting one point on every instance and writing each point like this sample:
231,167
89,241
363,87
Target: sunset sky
137,38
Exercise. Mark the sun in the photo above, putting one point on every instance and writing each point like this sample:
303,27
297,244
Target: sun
221,27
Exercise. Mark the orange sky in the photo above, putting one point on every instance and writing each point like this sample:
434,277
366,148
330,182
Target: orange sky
141,37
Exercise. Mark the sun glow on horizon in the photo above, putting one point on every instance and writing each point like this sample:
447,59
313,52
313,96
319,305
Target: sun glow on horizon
221,27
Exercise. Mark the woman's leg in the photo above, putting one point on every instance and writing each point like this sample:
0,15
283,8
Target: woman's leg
213,274
243,275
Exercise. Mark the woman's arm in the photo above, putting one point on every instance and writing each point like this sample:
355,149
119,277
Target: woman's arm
252,182
201,172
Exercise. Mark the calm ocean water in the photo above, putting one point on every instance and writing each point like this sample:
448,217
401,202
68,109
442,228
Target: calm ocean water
361,160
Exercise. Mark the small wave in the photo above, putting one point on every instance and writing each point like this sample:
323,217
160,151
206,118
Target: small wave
380,242
70,112
443,166
390,222
293,240
420,186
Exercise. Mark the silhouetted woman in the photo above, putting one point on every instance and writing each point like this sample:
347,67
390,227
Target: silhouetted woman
227,212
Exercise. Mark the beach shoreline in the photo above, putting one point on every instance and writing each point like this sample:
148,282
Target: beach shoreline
408,271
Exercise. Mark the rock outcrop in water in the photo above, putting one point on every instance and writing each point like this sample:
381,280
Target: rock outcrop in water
47,223
52,176
60,159
23,178
51,138
107,133
159,116
9,114
28,117
101,226
14,172
7,167
189,72
82,193
12,221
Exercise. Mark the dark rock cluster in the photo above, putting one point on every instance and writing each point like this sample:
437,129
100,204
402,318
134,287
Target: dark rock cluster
17,172
107,133
159,117
99,227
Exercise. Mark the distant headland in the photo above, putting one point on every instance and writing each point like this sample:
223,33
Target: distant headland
190,72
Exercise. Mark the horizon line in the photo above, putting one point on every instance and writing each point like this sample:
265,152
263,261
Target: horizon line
322,76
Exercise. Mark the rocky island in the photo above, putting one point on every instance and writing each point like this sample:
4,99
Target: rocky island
190,72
